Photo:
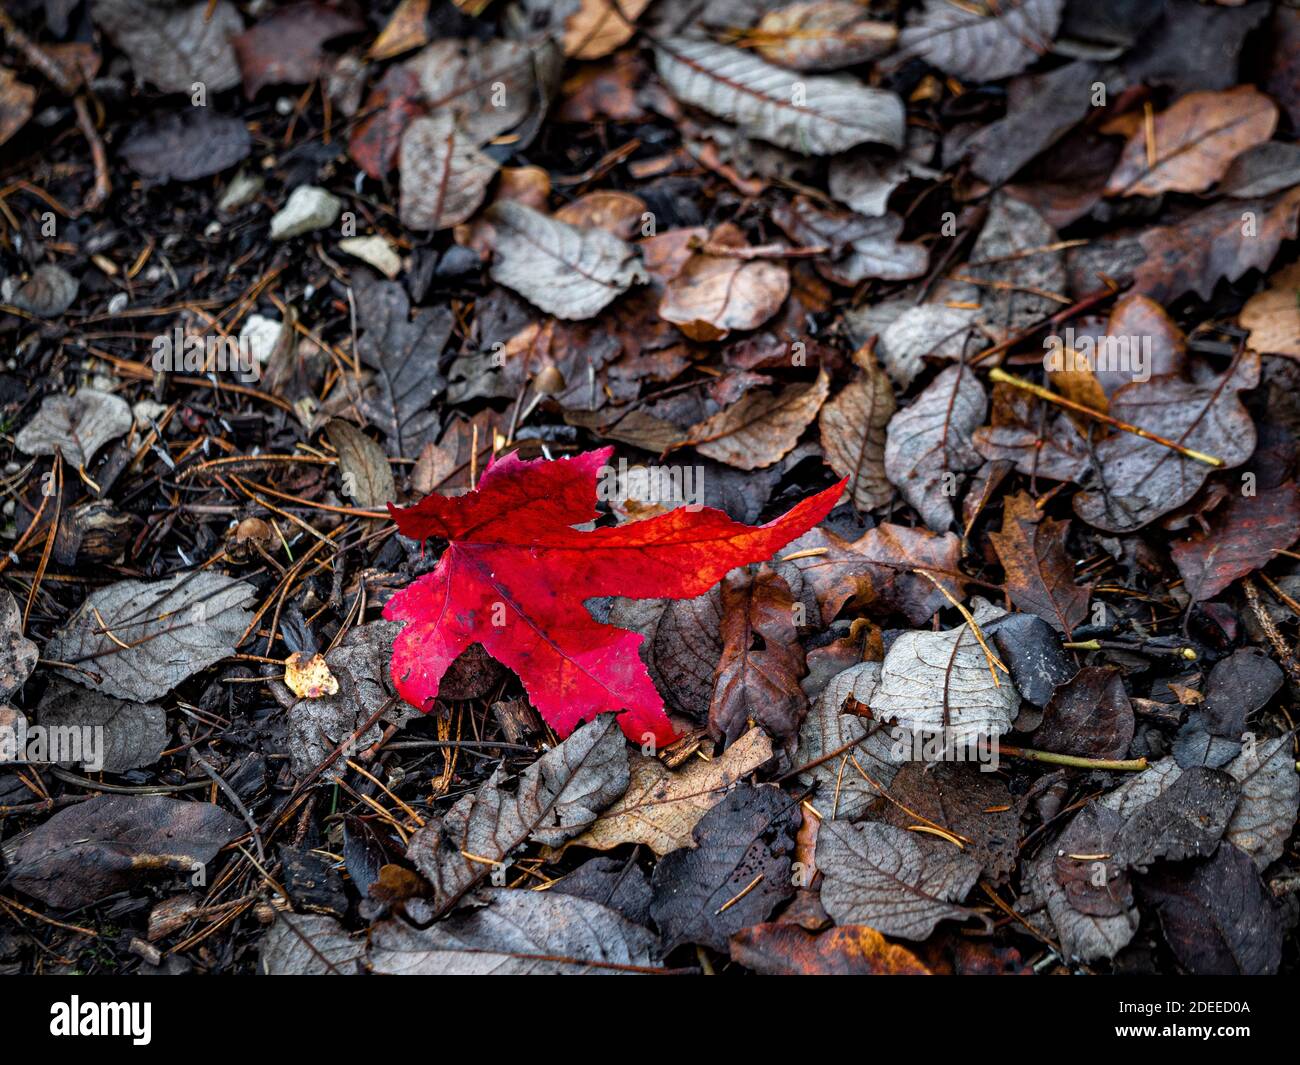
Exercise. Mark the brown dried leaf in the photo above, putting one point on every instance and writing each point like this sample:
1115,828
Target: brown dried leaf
444,176
1039,572
778,949
852,427
762,427
821,35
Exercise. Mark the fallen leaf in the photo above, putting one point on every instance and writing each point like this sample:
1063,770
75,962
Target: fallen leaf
444,175
287,47
1141,480
309,677
943,682
736,874
127,735
172,48
572,667
661,807
139,639
1039,573
621,885
111,843
363,466
830,114
18,654
404,350
896,882
49,292
1187,820
762,427
519,933
1270,799
1243,536
406,28
567,271
186,145
1262,170
1089,716
554,799
821,35
712,295
1273,316
852,429
309,944
777,949
598,27
982,41
1217,916
846,756
17,100
859,247
1220,242
878,570
928,444
757,677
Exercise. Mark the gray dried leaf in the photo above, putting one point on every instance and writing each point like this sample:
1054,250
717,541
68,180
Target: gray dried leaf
171,628
899,883
49,292
186,145
519,933
363,466
859,247
111,843
983,44
132,735
1186,820
934,682
1263,170
1014,255
837,747
308,944
1146,480
832,114
1082,935
553,800
929,443
1270,799
569,271
852,427
621,885
18,654
78,426
173,47
444,175
700,892
403,350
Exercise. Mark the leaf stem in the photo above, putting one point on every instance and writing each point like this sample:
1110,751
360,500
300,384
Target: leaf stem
1051,758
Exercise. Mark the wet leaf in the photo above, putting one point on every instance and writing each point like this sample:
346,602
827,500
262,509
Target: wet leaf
139,639
933,681
757,677
129,735
900,883
831,113
621,885
173,47
565,270
853,950
519,933
736,874
983,42
444,175
1270,799
1243,536
554,799
1195,141
1039,573
1140,480
1089,716
112,843
661,807
929,444
712,295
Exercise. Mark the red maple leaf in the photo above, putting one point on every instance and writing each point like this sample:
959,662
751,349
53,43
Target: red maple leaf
514,576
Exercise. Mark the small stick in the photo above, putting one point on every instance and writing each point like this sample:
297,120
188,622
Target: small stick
1030,755
999,374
